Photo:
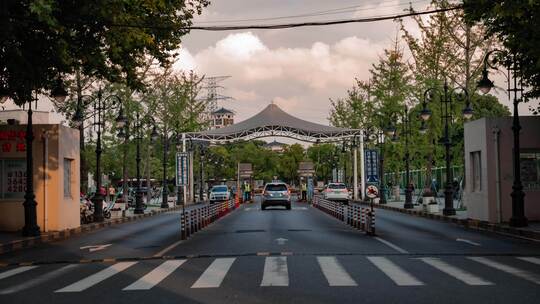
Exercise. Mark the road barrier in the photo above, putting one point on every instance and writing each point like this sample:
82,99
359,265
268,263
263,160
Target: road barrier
197,218
353,214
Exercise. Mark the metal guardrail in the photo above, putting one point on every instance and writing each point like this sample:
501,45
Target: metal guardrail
199,217
353,215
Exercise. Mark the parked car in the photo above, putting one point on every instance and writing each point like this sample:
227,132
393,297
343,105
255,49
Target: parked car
276,194
220,193
336,192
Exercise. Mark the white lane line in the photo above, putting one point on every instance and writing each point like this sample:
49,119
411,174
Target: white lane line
530,260
460,274
12,272
335,274
468,242
155,276
96,277
508,269
214,274
393,246
394,272
276,272
168,248
39,280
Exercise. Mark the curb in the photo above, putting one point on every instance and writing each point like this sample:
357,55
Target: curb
66,234
467,223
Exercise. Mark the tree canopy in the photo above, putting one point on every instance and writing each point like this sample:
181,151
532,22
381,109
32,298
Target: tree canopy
515,23
41,41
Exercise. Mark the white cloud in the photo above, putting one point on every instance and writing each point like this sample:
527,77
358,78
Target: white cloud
300,79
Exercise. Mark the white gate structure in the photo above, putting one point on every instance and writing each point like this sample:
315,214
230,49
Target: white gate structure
273,121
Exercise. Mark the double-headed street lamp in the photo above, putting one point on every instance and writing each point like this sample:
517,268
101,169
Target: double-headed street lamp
448,96
406,131
99,107
515,86
153,137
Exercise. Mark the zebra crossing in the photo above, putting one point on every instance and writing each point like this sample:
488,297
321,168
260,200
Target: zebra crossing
276,272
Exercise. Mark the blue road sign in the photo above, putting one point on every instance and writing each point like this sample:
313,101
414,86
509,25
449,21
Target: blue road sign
182,168
371,165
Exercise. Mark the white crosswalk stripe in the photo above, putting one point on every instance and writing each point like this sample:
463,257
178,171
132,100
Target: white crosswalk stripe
15,271
335,273
394,272
530,260
214,274
155,276
529,276
38,280
97,277
276,272
460,274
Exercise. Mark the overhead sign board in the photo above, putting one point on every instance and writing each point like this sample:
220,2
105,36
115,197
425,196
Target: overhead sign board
371,165
182,168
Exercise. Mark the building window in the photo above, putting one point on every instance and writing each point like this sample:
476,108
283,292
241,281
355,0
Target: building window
67,177
530,170
476,173
12,178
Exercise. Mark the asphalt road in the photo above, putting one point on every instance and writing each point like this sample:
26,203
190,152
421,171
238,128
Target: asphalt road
278,256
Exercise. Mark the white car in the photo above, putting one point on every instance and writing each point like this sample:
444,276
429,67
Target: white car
220,193
336,192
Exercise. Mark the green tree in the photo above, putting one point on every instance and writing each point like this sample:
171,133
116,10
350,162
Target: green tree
515,24
45,40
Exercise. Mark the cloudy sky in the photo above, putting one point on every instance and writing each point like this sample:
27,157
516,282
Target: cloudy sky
300,68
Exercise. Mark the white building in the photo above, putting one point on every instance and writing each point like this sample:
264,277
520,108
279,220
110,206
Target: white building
221,118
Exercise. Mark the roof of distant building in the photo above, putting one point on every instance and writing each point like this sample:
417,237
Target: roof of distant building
275,144
223,111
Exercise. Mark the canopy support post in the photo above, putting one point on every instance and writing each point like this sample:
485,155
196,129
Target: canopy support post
184,187
355,172
362,170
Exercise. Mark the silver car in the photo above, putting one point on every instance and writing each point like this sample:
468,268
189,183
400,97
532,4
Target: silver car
219,193
276,194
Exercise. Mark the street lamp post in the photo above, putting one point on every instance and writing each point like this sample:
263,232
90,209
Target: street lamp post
511,63
406,131
99,106
139,194
165,192
446,108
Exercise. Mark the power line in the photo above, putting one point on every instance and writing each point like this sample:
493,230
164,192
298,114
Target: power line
321,23
342,10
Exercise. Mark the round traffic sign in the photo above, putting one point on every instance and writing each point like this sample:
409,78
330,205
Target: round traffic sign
372,191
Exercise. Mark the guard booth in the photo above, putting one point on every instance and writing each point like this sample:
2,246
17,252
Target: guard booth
245,175
56,174
306,170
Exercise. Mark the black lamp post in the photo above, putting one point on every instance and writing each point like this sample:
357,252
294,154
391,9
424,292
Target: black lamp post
202,152
165,192
31,227
99,107
406,131
446,115
515,86
153,136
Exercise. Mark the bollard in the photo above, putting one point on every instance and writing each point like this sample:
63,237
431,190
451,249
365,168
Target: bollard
372,222
362,219
183,226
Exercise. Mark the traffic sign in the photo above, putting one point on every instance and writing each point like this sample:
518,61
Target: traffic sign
372,191
371,164
182,168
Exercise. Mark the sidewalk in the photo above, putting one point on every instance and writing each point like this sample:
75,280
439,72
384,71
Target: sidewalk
532,232
10,241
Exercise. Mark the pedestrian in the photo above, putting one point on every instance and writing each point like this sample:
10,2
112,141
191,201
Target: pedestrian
112,193
304,191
